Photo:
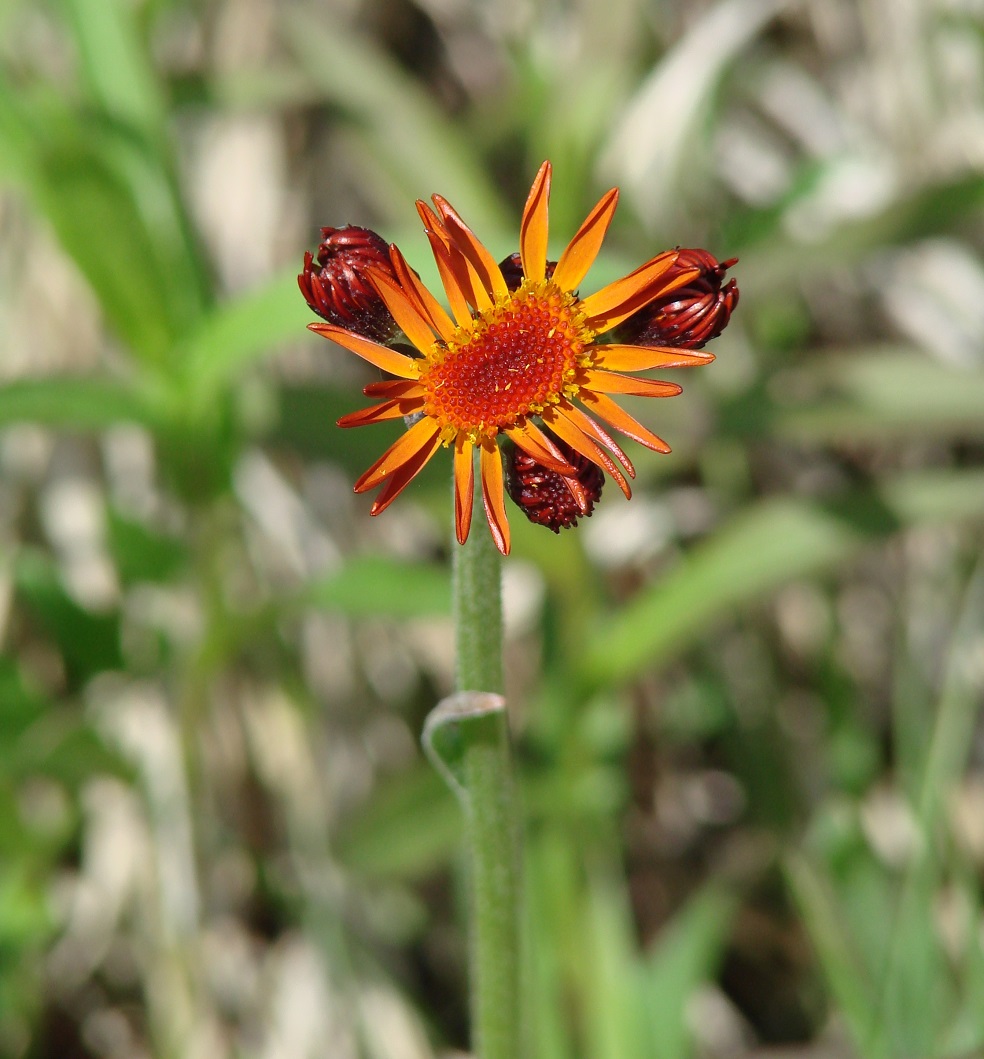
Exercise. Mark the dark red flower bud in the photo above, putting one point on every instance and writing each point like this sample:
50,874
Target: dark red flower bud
548,498
689,316
512,270
336,285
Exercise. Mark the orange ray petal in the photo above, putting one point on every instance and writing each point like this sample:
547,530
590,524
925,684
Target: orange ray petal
379,413
394,389
403,450
458,275
403,476
465,240
583,248
457,285
621,420
533,229
464,486
613,382
641,358
567,430
398,364
533,441
619,300
597,433
412,321
424,302
493,495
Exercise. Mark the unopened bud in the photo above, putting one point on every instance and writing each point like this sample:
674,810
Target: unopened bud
547,498
337,287
689,316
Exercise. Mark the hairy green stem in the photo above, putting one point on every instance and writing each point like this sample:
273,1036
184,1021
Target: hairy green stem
490,806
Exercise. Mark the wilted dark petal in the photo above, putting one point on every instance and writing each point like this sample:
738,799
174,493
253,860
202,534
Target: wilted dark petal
690,316
547,498
337,285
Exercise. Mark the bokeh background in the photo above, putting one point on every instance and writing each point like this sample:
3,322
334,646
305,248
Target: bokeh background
747,703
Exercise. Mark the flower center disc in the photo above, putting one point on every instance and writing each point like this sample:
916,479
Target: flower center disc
517,358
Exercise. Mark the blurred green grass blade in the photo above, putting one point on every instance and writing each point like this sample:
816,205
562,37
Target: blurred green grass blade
376,585
410,827
762,548
917,993
841,965
408,135
72,403
556,952
864,394
115,64
649,144
958,711
686,955
776,263
239,332
89,642
116,212
614,1018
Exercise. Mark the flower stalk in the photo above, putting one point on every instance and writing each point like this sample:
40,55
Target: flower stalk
491,830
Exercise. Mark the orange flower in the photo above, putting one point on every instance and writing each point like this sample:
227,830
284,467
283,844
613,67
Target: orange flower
504,362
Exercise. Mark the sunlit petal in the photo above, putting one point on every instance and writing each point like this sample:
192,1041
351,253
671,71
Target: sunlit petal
402,451
619,300
533,230
621,420
598,433
394,389
583,248
403,475
413,323
464,239
398,364
613,382
464,486
378,413
457,285
568,431
424,302
641,358
533,441
493,495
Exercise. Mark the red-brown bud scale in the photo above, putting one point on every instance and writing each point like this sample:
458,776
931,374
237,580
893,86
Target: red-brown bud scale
337,285
547,498
688,317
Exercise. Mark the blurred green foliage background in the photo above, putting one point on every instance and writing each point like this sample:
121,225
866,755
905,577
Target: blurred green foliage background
747,703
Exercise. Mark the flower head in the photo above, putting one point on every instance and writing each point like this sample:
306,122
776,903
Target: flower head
338,288
519,361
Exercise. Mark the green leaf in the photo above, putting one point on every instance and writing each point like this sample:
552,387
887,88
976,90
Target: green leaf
116,212
89,642
374,585
241,331
141,554
408,136
115,64
763,547
842,966
861,394
72,403
686,954
409,828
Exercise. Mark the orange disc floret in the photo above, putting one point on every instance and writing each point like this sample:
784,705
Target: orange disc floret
517,358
